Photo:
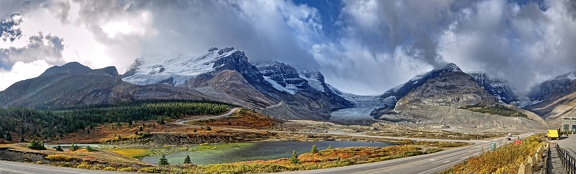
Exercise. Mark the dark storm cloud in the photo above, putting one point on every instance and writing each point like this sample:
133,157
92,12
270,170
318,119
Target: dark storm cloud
571,8
40,47
413,24
521,42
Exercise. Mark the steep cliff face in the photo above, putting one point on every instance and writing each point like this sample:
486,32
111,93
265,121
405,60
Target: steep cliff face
235,86
554,88
499,88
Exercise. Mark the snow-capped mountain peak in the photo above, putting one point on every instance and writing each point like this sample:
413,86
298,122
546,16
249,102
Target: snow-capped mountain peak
282,76
450,67
499,88
314,77
292,79
174,69
569,76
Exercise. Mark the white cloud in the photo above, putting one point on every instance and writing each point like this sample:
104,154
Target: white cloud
353,68
21,71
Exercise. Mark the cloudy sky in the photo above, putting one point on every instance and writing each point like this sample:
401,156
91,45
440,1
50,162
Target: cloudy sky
362,47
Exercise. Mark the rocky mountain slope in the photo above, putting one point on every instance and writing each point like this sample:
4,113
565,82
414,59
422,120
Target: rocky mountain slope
452,88
223,75
391,96
496,87
229,76
554,88
555,98
437,98
74,84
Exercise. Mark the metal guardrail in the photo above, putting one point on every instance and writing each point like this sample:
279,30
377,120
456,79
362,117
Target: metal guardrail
568,161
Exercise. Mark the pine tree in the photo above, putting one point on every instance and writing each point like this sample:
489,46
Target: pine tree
163,161
187,160
22,138
208,128
314,149
294,158
59,148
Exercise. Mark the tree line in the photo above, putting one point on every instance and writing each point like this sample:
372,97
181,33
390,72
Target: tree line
47,124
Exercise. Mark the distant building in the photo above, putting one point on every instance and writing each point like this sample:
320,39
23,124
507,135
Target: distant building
568,124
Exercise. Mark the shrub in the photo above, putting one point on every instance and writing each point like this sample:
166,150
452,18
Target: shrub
84,165
97,167
74,147
109,168
58,148
128,169
150,170
90,149
37,145
433,150
505,159
58,157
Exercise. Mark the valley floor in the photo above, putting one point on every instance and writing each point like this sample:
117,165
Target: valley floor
239,125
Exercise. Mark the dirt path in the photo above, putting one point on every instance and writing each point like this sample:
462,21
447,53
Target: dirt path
183,121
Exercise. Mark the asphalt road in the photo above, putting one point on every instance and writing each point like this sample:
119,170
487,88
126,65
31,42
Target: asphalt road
568,143
430,163
8,167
